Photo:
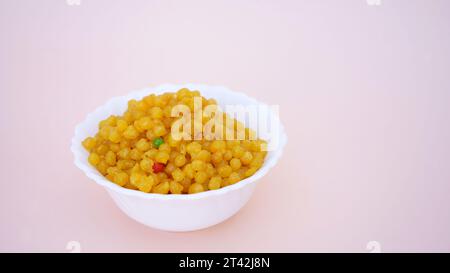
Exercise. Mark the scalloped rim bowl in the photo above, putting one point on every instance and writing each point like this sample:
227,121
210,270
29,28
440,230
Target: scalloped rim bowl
173,212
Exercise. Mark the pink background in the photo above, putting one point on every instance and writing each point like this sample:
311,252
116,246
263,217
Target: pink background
363,92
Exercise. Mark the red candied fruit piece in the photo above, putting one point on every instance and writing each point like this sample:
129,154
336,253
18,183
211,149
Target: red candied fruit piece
158,167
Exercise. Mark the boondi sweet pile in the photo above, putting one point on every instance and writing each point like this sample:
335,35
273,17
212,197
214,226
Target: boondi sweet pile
137,150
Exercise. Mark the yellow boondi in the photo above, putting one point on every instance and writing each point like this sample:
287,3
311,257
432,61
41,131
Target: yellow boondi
137,151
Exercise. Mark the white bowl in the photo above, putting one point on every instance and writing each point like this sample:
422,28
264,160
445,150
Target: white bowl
173,212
